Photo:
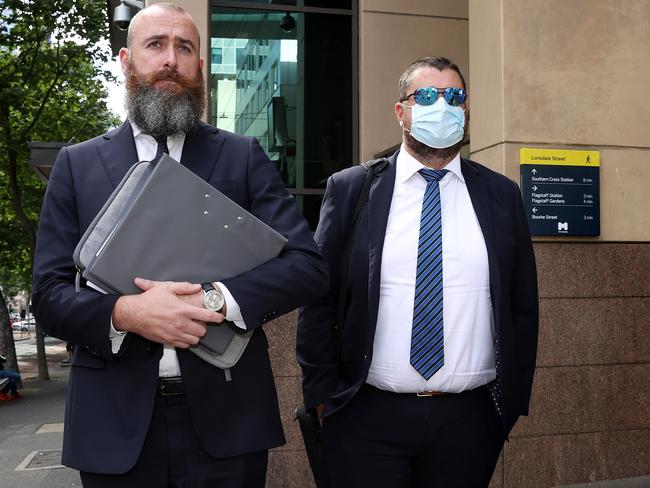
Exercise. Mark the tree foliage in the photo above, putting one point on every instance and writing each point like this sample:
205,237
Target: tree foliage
51,58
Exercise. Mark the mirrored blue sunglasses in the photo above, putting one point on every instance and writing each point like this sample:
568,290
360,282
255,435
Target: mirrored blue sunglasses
429,94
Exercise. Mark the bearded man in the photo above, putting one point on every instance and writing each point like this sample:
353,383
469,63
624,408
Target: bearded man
433,362
143,410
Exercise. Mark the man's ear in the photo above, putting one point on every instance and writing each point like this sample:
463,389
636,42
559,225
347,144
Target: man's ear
124,60
399,113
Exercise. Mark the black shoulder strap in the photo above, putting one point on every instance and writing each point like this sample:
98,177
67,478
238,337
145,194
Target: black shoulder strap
373,167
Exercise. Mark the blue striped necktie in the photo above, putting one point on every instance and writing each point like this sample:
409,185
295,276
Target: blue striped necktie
427,336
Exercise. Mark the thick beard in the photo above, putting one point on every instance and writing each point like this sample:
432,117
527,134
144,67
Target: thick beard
434,155
164,112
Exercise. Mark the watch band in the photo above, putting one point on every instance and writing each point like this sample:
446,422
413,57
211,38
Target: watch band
207,286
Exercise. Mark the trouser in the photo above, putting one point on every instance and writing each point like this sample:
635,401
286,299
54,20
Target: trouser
173,457
397,440
14,378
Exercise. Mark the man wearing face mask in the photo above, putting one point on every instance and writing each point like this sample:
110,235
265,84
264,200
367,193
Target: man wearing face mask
430,367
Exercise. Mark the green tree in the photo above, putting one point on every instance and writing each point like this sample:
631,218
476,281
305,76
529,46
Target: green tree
51,54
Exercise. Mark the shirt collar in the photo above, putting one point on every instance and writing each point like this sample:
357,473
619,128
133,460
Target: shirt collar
137,132
407,166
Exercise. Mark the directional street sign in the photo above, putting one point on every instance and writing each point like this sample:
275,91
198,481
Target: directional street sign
561,191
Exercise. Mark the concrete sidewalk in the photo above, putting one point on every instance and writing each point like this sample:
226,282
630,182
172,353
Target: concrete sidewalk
31,429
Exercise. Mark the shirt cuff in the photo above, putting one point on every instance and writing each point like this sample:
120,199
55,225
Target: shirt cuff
116,337
233,312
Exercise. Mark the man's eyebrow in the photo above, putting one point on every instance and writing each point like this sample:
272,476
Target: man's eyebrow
181,40
186,41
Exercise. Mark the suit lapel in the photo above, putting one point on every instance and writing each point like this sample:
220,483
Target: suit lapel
478,193
381,195
201,150
118,152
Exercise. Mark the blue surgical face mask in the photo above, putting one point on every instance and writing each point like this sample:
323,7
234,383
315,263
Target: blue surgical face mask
439,125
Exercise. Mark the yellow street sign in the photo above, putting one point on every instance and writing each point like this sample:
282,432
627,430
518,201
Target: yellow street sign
559,157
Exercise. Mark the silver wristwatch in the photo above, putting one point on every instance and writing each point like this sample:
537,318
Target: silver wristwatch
213,299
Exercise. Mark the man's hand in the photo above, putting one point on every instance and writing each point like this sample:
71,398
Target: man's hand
167,312
195,299
319,412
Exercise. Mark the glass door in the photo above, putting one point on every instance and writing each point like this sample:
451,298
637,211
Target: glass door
286,78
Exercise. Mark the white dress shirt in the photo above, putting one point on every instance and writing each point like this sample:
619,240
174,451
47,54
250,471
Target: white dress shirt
146,146
467,311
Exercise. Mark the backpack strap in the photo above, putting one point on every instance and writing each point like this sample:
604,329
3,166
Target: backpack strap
372,167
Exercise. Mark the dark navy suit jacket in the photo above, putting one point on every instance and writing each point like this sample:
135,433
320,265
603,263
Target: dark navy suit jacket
110,398
333,377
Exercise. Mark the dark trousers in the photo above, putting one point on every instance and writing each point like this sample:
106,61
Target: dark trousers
14,378
396,440
173,457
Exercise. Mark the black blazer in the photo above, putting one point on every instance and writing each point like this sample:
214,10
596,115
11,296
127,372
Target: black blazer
333,377
110,399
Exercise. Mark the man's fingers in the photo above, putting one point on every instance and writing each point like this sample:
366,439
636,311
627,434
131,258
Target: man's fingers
177,287
196,328
205,315
184,288
188,339
144,284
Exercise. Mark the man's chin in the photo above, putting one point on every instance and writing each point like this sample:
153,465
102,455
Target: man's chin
428,153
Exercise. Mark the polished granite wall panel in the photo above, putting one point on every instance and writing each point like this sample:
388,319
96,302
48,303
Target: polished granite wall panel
288,466
576,399
497,477
590,408
583,331
289,469
546,461
281,334
568,269
290,396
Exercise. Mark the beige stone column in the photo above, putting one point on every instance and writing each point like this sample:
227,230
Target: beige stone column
574,74
392,34
568,74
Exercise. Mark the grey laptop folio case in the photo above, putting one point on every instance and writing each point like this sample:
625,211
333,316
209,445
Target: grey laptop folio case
165,223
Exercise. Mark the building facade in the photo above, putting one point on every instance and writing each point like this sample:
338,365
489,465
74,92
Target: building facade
316,81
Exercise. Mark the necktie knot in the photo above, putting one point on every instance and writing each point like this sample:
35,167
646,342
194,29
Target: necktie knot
433,174
162,146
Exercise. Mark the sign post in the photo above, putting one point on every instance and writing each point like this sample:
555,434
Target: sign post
561,191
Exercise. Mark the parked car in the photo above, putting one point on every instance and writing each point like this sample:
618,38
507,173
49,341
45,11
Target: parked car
24,325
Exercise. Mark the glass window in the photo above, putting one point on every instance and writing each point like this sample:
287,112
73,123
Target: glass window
291,88
216,55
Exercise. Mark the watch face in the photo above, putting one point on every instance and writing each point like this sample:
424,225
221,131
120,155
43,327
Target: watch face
213,300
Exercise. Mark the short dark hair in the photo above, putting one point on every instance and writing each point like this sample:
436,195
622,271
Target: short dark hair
438,63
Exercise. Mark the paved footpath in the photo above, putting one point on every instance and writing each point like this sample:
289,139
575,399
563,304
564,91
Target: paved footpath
31,429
